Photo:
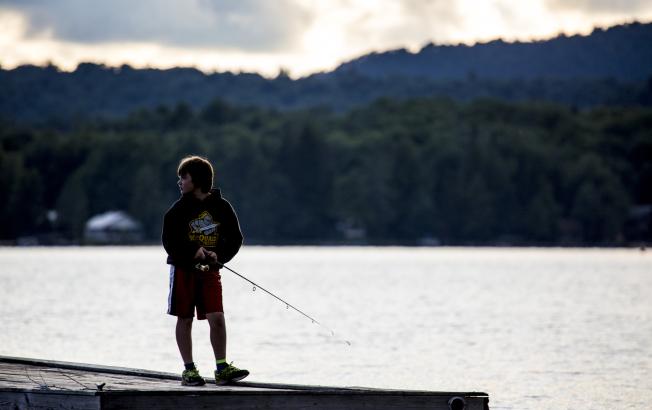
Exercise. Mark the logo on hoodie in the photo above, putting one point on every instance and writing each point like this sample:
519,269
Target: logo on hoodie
203,229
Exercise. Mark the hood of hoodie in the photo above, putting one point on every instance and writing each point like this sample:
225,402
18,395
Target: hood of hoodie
215,195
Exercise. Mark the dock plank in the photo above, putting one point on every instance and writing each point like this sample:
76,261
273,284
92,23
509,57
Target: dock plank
39,384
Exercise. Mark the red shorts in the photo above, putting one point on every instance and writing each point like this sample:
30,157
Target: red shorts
190,289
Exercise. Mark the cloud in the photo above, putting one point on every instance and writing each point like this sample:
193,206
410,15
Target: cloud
470,21
353,27
244,24
417,22
414,23
627,7
302,36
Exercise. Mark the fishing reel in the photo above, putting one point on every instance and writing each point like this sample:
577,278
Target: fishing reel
202,267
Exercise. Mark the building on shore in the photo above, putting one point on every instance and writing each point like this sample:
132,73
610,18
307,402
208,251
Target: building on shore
113,228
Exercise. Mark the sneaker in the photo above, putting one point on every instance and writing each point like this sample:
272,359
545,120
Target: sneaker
230,374
192,378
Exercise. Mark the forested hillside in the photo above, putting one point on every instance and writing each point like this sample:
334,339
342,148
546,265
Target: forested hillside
540,143
417,171
622,53
607,68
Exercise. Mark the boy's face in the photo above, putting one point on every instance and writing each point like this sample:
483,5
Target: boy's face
185,184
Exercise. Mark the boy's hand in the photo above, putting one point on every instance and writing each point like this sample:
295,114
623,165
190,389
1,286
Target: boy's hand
200,254
204,255
212,256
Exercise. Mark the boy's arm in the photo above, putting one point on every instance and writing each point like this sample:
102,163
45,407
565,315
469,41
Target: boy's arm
175,240
231,238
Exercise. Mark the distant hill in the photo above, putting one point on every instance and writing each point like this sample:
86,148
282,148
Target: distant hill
609,67
621,52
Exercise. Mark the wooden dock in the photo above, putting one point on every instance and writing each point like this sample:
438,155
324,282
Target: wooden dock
40,384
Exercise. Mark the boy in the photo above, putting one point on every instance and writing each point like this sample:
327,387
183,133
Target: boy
200,228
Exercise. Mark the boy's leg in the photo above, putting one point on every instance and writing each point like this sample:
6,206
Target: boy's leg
225,373
211,308
190,376
181,303
184,338
218,334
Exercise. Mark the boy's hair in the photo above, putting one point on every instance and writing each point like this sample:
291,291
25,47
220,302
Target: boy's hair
200,171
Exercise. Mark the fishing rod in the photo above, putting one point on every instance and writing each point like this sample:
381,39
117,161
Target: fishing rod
205,268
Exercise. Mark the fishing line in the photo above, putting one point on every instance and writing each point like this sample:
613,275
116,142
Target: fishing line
205,268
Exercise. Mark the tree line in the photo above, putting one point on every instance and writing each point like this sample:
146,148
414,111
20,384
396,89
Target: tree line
620,52
46,96
392,172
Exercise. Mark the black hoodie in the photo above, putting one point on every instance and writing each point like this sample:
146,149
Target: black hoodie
191,223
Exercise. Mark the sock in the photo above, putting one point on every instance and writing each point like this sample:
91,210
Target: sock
189,366
221,364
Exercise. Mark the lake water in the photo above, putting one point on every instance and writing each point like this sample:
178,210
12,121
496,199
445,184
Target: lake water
534,328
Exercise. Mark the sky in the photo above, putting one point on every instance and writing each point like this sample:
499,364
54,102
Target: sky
300,37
